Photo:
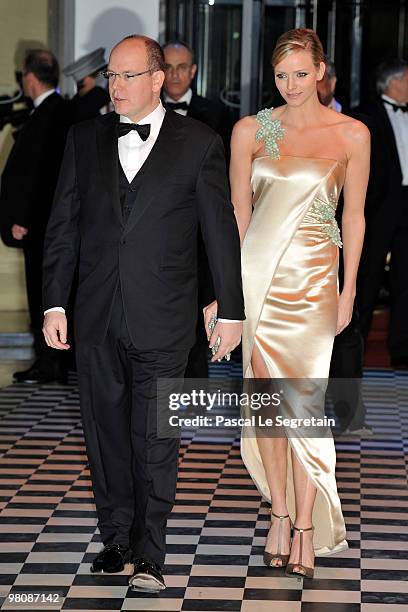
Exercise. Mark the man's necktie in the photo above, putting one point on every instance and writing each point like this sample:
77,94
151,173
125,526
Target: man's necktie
142,130
397,107
177,105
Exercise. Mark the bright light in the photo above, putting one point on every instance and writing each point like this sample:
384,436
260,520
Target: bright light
211,2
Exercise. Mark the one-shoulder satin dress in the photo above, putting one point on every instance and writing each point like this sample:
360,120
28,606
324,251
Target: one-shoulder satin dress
289,271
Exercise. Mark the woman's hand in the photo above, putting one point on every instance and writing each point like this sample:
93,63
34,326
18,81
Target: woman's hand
344,312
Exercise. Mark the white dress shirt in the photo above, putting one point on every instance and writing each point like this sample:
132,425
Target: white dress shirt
184,98
39,99
133,152
399,123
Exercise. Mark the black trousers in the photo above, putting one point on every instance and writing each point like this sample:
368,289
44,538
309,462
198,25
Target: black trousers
197,364
48,360
346,371
133,472
33,247
384,235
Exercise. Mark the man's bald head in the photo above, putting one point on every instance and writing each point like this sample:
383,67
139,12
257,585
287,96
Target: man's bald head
180,68
136,66
154,54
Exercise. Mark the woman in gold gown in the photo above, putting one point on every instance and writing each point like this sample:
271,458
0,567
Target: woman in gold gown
288,167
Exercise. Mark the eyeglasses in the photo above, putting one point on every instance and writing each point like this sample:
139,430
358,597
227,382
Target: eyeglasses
126,76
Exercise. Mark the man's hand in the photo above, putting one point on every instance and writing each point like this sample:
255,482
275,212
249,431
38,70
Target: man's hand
55,330
18,231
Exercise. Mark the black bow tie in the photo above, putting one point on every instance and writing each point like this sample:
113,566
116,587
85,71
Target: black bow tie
396,107
177,105
142,130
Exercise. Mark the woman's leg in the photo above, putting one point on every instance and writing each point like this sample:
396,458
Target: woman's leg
273,453
305,494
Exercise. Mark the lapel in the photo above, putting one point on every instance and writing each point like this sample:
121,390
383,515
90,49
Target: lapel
158,166
198,108
29,132
108,157
389,134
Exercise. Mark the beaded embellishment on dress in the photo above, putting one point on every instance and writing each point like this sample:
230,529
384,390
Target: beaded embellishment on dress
271,131
325,213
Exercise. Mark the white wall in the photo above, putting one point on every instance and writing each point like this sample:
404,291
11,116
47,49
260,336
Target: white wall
102,23
23,25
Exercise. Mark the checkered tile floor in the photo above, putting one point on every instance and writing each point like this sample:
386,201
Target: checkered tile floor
215,535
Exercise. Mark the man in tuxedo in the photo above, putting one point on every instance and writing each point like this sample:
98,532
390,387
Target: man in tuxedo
129,208
386,208
179,96
27,190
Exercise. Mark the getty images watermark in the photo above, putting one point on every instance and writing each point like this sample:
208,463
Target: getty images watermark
258,407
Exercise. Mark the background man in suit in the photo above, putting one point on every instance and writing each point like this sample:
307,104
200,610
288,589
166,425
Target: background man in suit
179,96
129,207
27,190
90,98
386,208
326,87
346,367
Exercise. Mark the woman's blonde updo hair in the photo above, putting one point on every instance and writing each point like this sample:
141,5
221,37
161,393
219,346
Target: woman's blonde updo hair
298,40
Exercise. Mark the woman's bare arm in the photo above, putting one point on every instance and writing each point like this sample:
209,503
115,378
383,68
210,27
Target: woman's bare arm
242,145
353,222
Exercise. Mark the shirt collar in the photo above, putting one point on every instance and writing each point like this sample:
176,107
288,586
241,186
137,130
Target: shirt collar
391,100
39,99
184,98
153,118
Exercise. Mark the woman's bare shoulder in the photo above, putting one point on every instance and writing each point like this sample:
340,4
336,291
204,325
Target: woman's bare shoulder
246,127
353,130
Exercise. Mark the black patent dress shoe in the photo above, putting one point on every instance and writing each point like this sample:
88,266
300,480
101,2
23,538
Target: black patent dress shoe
147,577
36,376
111,559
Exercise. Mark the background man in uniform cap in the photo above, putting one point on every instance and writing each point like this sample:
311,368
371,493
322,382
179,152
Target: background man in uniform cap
90,97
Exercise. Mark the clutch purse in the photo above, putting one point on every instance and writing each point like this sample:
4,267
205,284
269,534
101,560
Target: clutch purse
211,325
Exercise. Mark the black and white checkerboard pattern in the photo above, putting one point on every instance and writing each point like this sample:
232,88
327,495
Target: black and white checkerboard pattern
216,532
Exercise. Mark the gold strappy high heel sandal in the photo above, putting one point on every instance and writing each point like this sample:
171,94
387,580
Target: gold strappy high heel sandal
305,572
269,558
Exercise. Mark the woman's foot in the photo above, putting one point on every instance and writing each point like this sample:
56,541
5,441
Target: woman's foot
277,546
302,558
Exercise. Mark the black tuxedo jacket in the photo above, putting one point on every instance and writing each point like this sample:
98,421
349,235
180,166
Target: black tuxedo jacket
30,175
153,256
384,189
213,114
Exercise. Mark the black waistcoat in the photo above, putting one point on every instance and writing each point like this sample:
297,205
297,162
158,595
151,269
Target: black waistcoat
127,192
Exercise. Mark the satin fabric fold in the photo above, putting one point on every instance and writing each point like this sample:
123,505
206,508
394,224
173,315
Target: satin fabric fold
289,271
